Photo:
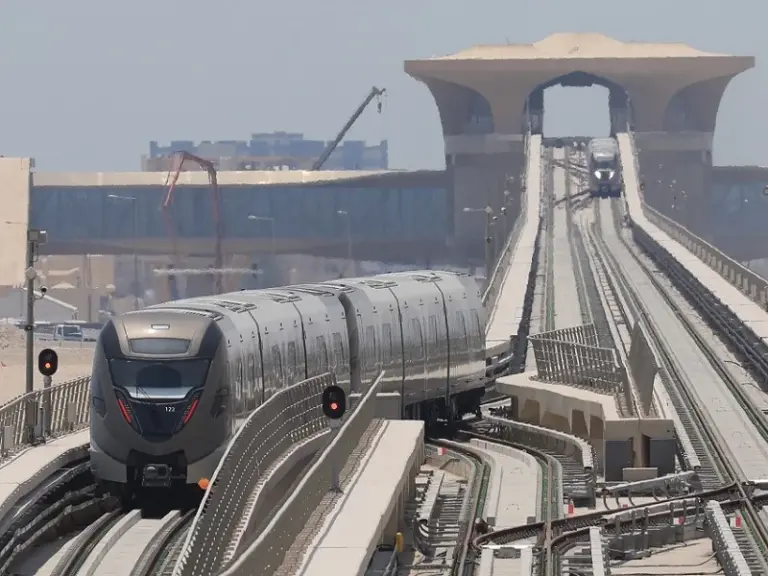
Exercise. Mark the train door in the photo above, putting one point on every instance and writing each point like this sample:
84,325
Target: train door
294,370
321,350
272,359
341,363
478,333
396,368
253,373
443,362
418,359
387,356
436,373
460,347
371,357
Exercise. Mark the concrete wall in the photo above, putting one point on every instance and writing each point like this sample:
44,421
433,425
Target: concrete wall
479,181
679,184
15,198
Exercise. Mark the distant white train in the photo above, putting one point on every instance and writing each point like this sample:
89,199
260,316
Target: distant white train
604,168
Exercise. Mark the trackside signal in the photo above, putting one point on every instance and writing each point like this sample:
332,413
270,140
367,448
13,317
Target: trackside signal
48,362
334,402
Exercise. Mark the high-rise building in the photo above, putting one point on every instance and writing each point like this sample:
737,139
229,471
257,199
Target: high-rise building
274,151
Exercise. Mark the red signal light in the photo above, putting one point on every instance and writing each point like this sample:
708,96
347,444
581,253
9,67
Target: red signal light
48,362
334,402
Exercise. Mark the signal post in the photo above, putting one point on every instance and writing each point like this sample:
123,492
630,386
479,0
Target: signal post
47,365
334,407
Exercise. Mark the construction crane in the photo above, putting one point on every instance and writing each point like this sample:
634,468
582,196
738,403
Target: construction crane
374,93
208,166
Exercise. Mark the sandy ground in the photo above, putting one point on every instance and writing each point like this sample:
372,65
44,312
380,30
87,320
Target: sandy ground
75,360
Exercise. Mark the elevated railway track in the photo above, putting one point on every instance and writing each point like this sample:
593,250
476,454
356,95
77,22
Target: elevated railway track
617,283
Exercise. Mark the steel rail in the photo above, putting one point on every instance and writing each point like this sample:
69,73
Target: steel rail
722,457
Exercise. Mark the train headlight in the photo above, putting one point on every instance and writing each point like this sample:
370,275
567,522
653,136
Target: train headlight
597,174
611,174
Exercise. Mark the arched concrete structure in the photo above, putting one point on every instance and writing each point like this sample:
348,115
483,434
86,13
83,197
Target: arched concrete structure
653,75
673,90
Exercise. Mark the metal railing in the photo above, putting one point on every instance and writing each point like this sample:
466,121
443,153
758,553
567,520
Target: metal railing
729,555
752,285
49,412
503,258
288,418
269,549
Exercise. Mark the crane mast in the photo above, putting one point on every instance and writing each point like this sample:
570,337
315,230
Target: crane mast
374,93
209,167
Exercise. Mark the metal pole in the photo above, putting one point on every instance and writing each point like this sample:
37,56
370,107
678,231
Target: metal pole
335,426
47,382
488,248
30,324
136,252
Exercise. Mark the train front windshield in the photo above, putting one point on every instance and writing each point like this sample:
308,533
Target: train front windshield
148,379
158,397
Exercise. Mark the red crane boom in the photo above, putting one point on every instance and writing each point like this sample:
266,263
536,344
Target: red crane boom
208,166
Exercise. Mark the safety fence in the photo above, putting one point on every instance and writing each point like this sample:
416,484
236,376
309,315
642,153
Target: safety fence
288,418
267,552
504,258
49,412
575,455
564,357
729,555
753,286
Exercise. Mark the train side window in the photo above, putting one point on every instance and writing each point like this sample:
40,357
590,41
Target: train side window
322,352
387,345
278,361
338,349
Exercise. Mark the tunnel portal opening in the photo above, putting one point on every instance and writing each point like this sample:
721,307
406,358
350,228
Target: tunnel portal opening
579,104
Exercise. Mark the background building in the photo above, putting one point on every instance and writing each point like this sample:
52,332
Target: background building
275,151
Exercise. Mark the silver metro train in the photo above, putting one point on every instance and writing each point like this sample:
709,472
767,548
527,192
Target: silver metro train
604,168
171,381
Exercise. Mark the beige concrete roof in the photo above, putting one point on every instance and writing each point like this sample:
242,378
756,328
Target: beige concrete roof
569,45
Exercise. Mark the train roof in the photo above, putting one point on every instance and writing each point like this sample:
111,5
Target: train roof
163,317
603,145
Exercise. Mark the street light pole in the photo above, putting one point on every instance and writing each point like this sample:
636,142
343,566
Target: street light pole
35,239
135,204
349,239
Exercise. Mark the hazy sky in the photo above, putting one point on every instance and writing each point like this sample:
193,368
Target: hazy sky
86,84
